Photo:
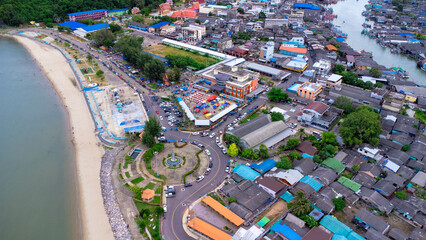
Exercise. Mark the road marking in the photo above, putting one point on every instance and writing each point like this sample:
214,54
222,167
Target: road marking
182,189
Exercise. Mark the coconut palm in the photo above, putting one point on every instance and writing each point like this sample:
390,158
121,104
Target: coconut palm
301,133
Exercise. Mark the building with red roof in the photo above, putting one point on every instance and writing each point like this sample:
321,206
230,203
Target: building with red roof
185,13
318,115
164,9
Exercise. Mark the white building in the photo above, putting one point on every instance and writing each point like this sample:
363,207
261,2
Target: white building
267,52
193,32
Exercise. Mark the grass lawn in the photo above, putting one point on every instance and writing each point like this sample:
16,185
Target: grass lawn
163,51
157,199
137,180
251,117
121,177
119,166
154,225
127,174
150,186
159,189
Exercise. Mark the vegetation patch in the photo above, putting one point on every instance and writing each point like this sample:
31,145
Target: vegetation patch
137,180
195,168
127,174
163,51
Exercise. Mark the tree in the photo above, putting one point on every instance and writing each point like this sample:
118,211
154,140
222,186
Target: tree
99,73
375,72
159,210
317,159
148,140
378,85
363,125
294,155
247,153
310,221
276,116
115,27
338,69
263,151
197,21
104,37
405,147
355,167
210,14
300,133
175,74
90,57
155,69
339,203
301,205
344,103
277,95
330,149
262,15
231,200
240,10
328,138
292,143
285,163
138,18
233,150
401,195
153,126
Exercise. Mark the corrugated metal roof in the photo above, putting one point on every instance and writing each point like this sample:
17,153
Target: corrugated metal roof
287,197
335,226
208,230
286,231
72,25
354,236
354,186
161,24
334,164
86,12
118,10
264,166
311,182
246,172
95,27
222,210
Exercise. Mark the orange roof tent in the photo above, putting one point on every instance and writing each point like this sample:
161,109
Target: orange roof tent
222,210
331,47
147,194
208,230
294,49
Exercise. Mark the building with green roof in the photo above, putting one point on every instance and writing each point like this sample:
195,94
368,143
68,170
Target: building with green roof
352,185
334,164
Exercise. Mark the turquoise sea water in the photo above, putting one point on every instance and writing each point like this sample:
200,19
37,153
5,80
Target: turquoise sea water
38,190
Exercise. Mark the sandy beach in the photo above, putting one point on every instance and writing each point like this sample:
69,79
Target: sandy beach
88,151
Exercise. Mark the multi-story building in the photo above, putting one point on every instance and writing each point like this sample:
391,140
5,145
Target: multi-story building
193,32
322,67
293,51
318,115
234,81
94,14
164,9
117,12
309,90
330,81
266,52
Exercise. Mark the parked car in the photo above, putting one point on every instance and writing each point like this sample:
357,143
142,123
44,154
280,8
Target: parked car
210,164
208,152
227,169
200,178
165,208
187,185
212,135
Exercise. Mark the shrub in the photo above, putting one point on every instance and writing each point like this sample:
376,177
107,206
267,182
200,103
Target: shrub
401,195
339,203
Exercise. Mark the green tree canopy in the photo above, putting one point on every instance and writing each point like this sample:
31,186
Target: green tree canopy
375,72
104,37
344,103
155,69
339,68
292,143
285,163
363,125
277,95
233,150
294,155
115,27
401,195
240,10
310,221
231,200
247,153
339,203
263,151
148,140
159,210
276,116
138,18
328,138
301,205
153,126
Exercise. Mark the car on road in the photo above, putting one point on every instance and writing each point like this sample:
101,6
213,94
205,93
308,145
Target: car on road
195,133
200,178
224,151
165,208
217,139
208,152
201,145
227,169
194,142
212,135
207,171
210,164
187,185
161,118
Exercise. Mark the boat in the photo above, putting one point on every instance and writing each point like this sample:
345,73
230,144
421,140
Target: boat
422,65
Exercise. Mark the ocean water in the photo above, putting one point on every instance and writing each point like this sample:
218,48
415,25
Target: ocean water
38,187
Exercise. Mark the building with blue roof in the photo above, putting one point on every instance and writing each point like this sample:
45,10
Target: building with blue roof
338,237
117,12
305,6
246,172
311,182
335,226
354,236
93,14
286,231
72,25
156,26
264,166
91,28
287,196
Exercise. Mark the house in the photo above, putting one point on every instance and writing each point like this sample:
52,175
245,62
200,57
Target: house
388,165
324,175
305,165
309,90
306,148
324,204
322,66
246,172
330,81
364,179
368,151
138,26
285,231
352,185
397,234
193,32
222,210
394,102
318,115
334,164
83,31
350,61
307,185
271,22
384,187
276,74
158,26
348,194
265,166
358,95
397,156
317,233
367,220
373,234
289,176
293,51
266,52
167,30
208,229
395,179
418,234
237,52
405,208
375,199
135,10
364,63
419,179
271,186
164,9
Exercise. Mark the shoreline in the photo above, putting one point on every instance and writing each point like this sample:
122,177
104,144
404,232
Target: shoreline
87,150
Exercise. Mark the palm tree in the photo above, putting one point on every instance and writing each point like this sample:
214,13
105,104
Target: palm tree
301,133
301,206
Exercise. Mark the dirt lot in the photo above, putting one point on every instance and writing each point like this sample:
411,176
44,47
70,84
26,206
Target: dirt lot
275,212
163,51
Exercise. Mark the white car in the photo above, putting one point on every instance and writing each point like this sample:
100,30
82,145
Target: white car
195,133
200,178
212,135
165,208
161,118
208,152
217,139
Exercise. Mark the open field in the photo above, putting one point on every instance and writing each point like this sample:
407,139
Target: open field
163,51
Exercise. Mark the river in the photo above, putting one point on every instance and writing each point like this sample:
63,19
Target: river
38,193
350,20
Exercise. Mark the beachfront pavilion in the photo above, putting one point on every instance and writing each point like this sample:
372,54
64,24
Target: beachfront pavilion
148,195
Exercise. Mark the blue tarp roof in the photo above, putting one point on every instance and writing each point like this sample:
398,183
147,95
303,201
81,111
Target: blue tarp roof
86,12
72,25
161,24
340,39
118,10
335,226
95,27
264,166
286,231
406,34
287,197
312,182
306,6
246,172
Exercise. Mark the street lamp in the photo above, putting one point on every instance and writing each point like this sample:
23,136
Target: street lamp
156,162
